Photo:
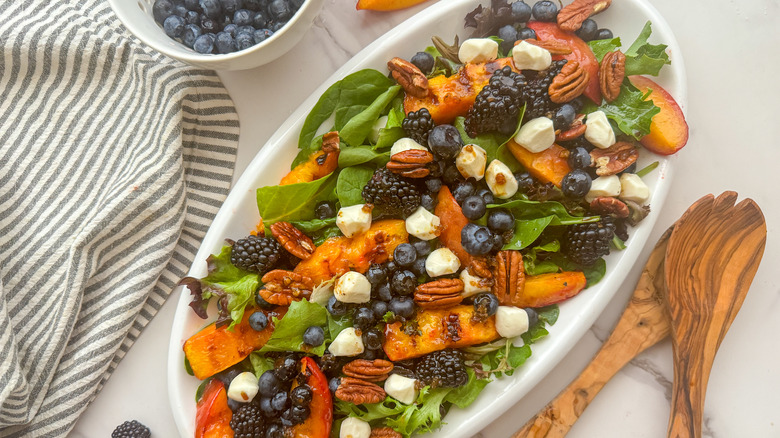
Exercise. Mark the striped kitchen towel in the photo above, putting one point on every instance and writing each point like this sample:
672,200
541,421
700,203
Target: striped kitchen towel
113,161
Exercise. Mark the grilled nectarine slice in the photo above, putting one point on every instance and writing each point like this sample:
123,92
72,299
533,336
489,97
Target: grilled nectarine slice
549,165
545,289
386,5
452,222
668,130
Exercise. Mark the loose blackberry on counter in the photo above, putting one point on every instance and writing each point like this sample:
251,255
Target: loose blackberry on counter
586,243
247,422
498,104
256,254
391,193
443,368
417,125
131,429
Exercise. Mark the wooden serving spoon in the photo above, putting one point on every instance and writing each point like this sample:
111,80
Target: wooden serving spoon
643,324
711,259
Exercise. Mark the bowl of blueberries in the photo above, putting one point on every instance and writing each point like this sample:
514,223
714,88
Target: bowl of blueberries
219,34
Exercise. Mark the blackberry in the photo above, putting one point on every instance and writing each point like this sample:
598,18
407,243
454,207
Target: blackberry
256,254
498,104
392,194
417,125
131,429
586,243
247,422
443,368
537,92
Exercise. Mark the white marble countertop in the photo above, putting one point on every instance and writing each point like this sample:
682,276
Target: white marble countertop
731,55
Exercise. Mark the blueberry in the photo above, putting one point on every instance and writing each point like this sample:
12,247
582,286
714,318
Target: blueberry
228,375
162,9
280,10
577,103
268,384
463,191
261,35
231,29
314,336
402,306
285,368
190,34
486,304
379,308
579,158
324,209
508,34
278,25
296,414
301,395
258,321
336,307
533,317
280,401
376,275
428,201
296,4
445,142
211,8
391,267
500,220
372,339
545,10
451,174
204,44
174,26
231,6
274,431
419,268
433,185
180,11
260,20
630,169
208,25
498,242
404,255
604,34
384,293
423,61
524,181
526,33
486,196
266,408
333,384
192,17
192,5
225,43
244,40
476,239
243,17
521,12
234,405
473,207
403,282
588,30
564,117
363,318
262,303
576,184
256,5
422,247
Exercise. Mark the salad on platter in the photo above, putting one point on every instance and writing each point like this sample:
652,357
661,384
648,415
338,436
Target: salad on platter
436,214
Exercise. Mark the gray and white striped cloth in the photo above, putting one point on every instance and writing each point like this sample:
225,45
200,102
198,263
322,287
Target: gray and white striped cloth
113,161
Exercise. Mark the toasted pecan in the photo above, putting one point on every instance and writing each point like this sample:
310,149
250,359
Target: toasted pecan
611,74
370,370
293,240
411,79
358,392
571,16
569,84
440,293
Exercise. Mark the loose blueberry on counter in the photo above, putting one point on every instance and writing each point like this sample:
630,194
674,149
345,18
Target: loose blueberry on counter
476,239
545,10
336,307
258,321
588,30
404,255
463,191
473,207
526,33
576,184
508,34
604,34
324,209
174,26
402,307
445,142
433,185
423,61
521,12
301,395
204,44
268,384
403,282
372,339
244,40
579,158
162,9
564,117
363,318
314,336
500,221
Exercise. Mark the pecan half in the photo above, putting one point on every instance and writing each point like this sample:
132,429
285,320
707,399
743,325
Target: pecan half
384,432
359,392
370,370
613,159
553,46
439,293
577,129
569,83
411,163
293,240
330,142
570,18
509,276
611,74
608,206
409,77
479,267
282,287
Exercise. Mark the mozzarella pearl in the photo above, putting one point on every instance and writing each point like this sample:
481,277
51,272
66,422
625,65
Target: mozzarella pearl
353,427
347,343
632,188
527,56
536,135
472,285
598,131
352,287
500,180
478,50
423,224
511,321
401,388
405,144
354,219
243,388
440,262
471,161
604,186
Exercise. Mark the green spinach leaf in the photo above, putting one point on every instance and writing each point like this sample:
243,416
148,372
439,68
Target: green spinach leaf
288,331
351,181
632,112
527,210
294,202
602,47
353,156
527,231
313,225
359,126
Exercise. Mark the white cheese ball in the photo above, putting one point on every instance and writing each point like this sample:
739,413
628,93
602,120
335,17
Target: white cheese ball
347,343
511,321
604,186
598,131
405,144
440,262
478,50
500,180
353,427
352,287
473,285
243,388
536,135
354,219
423,224
527,56
401,388
632,188
471,161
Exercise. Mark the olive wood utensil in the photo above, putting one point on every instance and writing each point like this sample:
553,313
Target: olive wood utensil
643,324
711,259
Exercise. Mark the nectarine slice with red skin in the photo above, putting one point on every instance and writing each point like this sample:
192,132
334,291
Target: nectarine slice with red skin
452,223
320,419
212,417
386,5
668,129
549,165
546,289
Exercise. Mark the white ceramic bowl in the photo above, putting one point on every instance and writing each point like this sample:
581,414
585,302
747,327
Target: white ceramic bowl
239,214
136,15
